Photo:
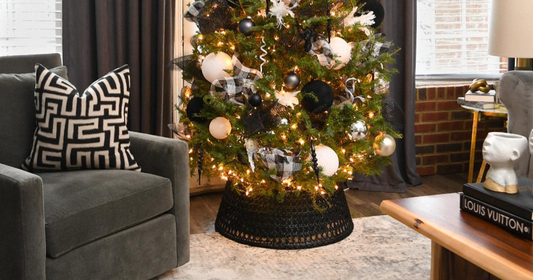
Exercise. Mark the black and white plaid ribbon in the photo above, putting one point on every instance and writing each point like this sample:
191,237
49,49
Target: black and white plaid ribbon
193,11
376,48
181,131
380,48
283,161
382,86
321,48
242,82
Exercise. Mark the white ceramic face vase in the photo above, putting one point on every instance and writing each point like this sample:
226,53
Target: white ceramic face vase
501,150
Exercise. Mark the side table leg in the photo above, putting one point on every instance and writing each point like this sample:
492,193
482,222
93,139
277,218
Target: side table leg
481,171
473,146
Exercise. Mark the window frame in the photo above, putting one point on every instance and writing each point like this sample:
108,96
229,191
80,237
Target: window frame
452,79
30,24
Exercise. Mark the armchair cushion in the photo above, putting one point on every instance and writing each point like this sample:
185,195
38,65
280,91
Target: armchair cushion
86,205
17,112
81,131
516,92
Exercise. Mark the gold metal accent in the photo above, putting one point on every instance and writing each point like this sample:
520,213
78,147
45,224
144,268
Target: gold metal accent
500,112
481,171
479,85
489,184
475,115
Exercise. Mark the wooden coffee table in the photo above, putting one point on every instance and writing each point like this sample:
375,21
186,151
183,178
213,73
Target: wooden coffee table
463,246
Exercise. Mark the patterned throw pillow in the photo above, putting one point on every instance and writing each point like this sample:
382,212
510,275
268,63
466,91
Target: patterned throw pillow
81,131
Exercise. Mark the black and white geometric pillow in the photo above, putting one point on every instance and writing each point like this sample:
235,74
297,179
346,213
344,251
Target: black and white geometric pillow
81,131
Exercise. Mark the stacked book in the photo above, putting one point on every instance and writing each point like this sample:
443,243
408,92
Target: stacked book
512,212
479,96
479,104
479,99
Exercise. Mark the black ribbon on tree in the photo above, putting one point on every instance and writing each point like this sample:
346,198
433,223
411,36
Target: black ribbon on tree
200,163
315,162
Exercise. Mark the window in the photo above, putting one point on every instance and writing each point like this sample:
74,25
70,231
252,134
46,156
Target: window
452,38
28,27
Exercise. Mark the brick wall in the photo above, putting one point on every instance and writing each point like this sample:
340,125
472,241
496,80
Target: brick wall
443,131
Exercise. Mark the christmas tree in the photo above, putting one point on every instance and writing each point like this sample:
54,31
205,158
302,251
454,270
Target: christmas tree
286,95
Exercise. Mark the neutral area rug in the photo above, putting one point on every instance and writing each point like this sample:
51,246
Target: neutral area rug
379,248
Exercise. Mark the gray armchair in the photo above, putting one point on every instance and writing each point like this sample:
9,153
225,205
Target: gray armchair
516,92
87,224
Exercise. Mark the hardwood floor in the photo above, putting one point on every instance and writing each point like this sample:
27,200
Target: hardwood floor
361,203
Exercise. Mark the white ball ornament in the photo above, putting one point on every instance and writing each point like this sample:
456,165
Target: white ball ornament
342,51
220,128
327,159
387,146
214,66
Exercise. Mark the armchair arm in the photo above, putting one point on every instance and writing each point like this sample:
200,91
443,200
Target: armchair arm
22,233
168,158
516,92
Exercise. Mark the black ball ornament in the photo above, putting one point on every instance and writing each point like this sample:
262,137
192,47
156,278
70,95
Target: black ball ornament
195,106
323,94
245,25
377,8
255,100
291,80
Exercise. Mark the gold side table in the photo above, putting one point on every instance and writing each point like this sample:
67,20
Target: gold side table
500,112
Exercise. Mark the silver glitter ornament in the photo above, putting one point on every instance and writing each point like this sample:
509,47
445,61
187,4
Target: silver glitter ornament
358,130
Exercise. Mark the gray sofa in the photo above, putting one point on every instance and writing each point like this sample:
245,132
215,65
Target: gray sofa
88,224
516,92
